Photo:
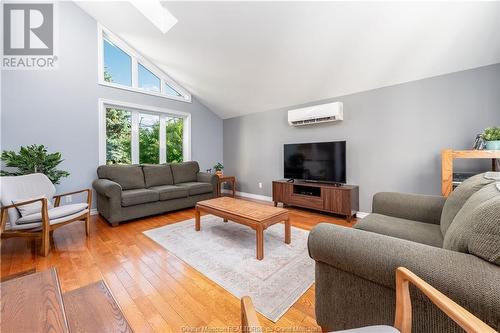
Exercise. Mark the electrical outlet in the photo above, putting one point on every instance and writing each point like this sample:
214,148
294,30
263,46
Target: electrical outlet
260,185
69,199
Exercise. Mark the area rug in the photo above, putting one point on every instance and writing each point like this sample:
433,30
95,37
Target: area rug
225,253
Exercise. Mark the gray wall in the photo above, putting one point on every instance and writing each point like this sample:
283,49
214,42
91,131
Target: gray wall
59,108
394,134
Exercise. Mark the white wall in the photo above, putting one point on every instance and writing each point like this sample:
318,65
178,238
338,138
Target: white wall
394,134
59,108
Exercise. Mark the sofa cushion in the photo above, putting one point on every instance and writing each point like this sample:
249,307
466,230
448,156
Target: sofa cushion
458,198
139,196
197,187
157,174
168,192
185,172
54,213
420,232
477,225
128,176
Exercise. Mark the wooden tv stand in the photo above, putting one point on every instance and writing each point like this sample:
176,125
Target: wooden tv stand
342,200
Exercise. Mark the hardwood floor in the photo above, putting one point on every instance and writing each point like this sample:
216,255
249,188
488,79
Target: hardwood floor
156,291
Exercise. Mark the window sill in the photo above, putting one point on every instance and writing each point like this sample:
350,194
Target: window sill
145,92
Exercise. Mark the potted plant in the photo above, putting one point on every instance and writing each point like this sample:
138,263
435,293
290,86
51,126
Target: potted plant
33,159
218,168
491,136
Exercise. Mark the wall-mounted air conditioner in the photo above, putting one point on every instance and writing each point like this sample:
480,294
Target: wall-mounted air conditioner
316,114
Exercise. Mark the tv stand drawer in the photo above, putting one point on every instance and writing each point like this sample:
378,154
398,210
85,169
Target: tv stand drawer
342,200
307,201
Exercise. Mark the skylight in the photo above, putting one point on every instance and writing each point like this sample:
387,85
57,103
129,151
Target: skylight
156,13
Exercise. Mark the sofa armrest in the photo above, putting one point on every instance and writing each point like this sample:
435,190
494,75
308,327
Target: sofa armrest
107,188
206,177
422,208
469,280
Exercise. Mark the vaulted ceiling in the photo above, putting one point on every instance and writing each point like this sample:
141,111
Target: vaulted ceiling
245,57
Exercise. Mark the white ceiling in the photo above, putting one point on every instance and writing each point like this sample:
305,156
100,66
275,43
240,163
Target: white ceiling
245,57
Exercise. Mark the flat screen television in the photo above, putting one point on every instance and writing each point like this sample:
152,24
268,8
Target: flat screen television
323,162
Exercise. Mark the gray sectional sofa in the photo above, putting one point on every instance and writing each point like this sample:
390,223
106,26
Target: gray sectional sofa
453,243
126,192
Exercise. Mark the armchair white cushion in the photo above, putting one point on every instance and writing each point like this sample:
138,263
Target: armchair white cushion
32,195
34,186
37,226
31,208
19,188
61,214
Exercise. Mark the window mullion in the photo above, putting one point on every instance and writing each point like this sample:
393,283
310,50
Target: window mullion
135,137
186,138
135,72
163,138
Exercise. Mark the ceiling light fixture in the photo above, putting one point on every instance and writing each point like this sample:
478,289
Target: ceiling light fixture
154,11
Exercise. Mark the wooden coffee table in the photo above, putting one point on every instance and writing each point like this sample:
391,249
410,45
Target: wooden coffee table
257,216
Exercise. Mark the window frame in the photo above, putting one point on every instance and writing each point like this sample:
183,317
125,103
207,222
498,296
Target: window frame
131,65
136,57
136,109
153,73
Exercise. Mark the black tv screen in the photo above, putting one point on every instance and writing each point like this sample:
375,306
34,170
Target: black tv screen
319,162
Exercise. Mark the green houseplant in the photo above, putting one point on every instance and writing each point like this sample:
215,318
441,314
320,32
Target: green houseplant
32,159
218,167
491,136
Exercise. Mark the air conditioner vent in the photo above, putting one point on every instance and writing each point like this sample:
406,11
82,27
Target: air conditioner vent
316,114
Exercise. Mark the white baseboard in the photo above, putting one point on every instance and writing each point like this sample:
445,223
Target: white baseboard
93,211
249,195
361,215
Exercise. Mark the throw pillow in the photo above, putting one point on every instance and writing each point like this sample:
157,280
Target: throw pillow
458,198
484,240
31,208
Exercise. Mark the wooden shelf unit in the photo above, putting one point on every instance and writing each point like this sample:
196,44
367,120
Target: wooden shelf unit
447,157
342,200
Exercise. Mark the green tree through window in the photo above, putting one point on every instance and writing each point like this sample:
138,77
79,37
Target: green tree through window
118,136
175,128
149,139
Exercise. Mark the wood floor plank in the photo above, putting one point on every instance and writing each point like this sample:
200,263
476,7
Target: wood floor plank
33,303
156,291
93,309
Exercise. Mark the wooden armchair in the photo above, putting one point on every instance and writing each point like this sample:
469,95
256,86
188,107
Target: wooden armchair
27,209
402,322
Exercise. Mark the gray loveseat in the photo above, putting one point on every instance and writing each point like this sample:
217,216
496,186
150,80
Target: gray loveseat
126,192
453,243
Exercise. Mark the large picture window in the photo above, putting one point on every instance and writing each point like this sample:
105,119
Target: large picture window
121,66
137,134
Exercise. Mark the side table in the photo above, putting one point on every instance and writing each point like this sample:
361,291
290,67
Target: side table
226,179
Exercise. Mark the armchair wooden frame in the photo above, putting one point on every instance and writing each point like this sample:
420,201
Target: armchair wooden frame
47,229
403,318
249,320
465,319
